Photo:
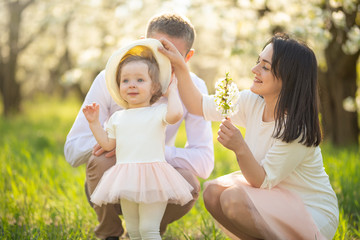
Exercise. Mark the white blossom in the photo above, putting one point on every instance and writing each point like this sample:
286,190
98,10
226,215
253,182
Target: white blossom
349,104
339,18
352,45
226,96
349,6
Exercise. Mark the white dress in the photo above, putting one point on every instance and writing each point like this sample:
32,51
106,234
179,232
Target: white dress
296,199
141,173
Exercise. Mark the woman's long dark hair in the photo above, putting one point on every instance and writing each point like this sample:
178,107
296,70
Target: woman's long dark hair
296,111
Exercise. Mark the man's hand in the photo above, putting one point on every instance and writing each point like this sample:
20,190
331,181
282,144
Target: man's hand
98,150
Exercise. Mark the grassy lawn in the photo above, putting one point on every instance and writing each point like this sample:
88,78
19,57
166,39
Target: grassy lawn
42,197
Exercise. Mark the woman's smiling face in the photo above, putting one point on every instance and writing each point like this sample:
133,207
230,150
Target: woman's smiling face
265,83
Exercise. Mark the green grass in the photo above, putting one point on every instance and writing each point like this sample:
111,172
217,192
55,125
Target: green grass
42,197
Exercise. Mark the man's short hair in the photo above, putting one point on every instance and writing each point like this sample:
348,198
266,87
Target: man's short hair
174,25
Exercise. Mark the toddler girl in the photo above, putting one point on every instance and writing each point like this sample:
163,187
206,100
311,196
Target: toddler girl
142,180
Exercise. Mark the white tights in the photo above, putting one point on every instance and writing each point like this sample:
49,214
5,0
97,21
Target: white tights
143,219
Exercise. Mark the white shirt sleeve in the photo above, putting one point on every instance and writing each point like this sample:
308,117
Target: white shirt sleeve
212,114
281,160
110,126
209,108
198,154
80,140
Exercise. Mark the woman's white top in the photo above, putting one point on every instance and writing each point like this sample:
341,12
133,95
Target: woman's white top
289,165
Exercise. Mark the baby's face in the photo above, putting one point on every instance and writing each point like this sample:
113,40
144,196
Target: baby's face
136,84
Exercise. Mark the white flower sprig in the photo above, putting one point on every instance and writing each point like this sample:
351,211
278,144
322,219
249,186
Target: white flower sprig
226,95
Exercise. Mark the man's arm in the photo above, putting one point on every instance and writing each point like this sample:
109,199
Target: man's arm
198,154
80,140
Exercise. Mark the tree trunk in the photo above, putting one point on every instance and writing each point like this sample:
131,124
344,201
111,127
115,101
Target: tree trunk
10,89
336,84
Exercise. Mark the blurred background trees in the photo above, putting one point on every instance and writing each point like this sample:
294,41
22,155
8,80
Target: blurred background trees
58,47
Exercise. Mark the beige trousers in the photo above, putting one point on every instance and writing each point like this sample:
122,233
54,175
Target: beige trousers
108,215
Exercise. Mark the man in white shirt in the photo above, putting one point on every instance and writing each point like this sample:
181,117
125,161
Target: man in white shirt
196,159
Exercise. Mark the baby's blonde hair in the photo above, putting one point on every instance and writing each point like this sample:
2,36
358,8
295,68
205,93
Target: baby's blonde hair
153,67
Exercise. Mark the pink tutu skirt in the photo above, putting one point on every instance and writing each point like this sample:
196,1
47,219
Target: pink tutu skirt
142,182
277,213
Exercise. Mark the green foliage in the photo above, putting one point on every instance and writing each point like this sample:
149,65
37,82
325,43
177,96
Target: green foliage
343,168
42,196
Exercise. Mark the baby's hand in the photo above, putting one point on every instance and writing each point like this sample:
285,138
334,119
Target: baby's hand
91,112
172,86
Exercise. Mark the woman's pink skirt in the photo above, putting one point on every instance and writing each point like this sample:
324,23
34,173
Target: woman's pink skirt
277,213
142,182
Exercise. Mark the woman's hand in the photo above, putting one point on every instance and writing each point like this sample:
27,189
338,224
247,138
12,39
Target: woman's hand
169,50
230,136
190,94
